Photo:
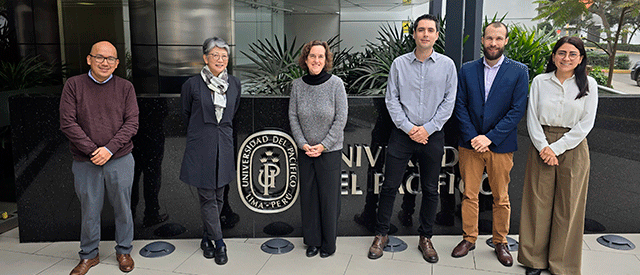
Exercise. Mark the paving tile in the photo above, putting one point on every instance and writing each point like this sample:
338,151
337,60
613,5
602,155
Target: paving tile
184,250
13,244
443,245
358,247
16,263
485,258
296,262
69,250
13,233
384,266
598,263
244,258
450,270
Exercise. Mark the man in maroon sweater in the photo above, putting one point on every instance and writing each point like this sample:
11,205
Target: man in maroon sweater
99,115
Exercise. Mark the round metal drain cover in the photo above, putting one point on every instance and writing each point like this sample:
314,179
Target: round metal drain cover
157,249
511,243
395,245
277,246
616,242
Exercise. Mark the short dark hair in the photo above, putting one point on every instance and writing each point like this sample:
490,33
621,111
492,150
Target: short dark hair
328,62
496,24
427,17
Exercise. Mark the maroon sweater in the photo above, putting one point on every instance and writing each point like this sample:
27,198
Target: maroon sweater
93,115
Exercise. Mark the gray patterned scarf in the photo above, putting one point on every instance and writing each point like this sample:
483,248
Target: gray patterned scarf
218,85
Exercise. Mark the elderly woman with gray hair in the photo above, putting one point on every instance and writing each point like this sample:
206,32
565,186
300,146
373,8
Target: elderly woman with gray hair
209,103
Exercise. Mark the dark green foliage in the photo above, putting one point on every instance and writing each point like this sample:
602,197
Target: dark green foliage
28,72
531,47
276,67
602,59
598,73
621,47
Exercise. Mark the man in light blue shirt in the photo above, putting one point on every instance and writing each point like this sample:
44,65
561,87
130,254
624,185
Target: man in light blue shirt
421,94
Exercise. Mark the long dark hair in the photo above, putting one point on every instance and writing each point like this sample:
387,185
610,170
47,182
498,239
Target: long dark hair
580,71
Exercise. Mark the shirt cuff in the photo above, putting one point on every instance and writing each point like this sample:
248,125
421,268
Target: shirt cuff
108,150
406,127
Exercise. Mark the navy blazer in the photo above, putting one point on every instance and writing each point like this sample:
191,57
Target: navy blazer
506,104
208,160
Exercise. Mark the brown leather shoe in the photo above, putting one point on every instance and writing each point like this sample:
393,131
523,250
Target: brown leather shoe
125,262
84,265
377,247
502,251
428,252
462,249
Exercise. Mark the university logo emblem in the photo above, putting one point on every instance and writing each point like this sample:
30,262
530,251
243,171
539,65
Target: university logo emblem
268,172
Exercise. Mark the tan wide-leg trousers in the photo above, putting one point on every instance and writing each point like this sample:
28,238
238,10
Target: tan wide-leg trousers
472,165
553,206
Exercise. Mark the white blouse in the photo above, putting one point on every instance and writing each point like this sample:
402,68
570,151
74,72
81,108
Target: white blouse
554,104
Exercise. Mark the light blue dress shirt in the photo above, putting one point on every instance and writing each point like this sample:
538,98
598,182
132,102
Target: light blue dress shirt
421,93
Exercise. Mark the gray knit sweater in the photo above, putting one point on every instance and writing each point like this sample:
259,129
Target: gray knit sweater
318,113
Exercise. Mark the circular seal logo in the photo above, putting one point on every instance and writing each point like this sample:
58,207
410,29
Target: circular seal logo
268,172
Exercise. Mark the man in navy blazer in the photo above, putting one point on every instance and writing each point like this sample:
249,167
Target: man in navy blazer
491,100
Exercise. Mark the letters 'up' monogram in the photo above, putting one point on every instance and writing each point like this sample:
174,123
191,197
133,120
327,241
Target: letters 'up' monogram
269,171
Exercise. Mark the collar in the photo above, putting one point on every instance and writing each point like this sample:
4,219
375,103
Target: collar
96,81
433,56
497,65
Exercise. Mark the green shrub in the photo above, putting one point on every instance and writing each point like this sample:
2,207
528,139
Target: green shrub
598,73
29,72
530,46
620,47
597,58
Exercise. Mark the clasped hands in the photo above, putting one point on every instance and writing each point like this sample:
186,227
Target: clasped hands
481,143
313,151
100,156
548,156
419,134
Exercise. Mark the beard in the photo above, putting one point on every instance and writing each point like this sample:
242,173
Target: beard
495,56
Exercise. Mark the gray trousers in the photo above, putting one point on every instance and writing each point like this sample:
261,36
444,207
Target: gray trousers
90,180
211,201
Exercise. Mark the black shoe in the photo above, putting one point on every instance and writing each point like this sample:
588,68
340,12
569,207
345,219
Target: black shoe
405,219
205,244
312,251
325,254
153,220
208,252
221,255
533,271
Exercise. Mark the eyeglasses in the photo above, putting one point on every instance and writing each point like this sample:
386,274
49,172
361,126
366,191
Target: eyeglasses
218,56
99,58
572,55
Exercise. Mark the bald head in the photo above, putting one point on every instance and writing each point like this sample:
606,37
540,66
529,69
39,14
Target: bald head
103,60
104,45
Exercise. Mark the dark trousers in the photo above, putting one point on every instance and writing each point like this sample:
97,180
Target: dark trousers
401,149
320,199
211,201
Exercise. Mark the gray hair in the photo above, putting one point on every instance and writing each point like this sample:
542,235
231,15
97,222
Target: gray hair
213,42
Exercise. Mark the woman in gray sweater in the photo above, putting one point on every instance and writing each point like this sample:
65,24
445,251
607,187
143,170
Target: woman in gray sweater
318,114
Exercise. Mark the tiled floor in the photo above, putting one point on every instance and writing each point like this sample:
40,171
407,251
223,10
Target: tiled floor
245,257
